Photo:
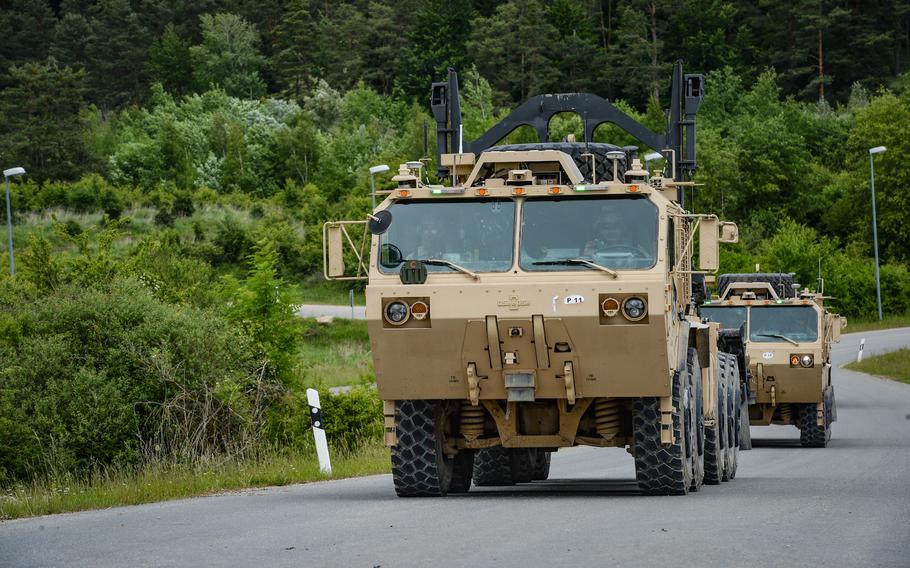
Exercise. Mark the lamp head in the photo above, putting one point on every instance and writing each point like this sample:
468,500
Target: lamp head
379,169
877,150
13,172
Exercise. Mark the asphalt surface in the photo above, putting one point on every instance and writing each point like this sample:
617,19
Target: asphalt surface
847,505
341,312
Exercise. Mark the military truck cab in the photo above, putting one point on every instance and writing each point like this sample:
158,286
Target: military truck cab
542,299
788,340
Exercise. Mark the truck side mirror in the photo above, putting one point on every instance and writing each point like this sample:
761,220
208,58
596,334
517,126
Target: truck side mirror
334,251
708,254
729,232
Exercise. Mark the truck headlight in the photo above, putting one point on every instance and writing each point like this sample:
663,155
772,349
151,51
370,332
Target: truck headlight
396,313
805,360
634,308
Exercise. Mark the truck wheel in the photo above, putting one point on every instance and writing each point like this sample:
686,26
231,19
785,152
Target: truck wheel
731,436
542,470
493,467
811,435
714,442
744,433
462,472
420,468
668,469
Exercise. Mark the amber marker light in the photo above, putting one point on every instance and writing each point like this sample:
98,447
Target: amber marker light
419,310
610,307
404,193
633,189
518,191
554,190
794,360
481,191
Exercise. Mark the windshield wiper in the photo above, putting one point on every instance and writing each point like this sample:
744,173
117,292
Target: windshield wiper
575,261
452,265
784,337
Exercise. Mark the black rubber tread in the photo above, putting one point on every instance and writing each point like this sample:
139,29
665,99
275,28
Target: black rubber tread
698,459
542,469
524,464
731,459
419,466
811,435
462,472
714,442
700,291
604,167
664,469
493,467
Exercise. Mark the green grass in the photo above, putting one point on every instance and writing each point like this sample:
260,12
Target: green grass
113,487
317,290
888,322
335,354
894,365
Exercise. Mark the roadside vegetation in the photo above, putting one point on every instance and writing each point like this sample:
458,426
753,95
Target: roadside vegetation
894,365
873,324
172,213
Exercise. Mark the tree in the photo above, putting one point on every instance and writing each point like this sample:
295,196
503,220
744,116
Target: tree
41,129
23,26
514,48
169,62
294,41
117,50
436,39
229,56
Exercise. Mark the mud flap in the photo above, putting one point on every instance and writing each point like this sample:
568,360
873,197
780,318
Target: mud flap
830,404
745,435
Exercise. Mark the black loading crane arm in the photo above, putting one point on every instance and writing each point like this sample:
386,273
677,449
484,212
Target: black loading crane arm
677,143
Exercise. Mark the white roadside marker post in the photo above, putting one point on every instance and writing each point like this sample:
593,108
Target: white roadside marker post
322,446
859,354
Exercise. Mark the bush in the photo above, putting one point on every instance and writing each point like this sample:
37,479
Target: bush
353,417
92,377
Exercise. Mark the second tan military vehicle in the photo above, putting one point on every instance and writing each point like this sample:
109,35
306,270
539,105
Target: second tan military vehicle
542,299
788,343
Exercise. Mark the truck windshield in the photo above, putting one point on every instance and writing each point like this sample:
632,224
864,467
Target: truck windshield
476,235
774,323
729,317
616,232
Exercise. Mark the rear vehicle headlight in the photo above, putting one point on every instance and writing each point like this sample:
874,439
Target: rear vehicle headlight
396,313
807,360
634,308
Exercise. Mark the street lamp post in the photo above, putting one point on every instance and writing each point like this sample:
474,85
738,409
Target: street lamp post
878,284
12,172
373,171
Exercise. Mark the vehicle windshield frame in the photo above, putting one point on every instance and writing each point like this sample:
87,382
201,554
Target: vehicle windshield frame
745,310
526,262
448,204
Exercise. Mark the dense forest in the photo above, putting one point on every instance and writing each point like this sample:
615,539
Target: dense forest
182,156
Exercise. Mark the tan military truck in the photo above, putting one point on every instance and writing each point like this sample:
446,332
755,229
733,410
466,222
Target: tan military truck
788,344
542,299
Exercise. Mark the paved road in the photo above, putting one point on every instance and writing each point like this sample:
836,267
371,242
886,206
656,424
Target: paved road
848,505
320,310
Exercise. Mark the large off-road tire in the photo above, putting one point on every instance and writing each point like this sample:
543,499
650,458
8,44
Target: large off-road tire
493,467
714,434
542,469
500,466
671,469
744,433
420,468
462,472
732,425
811,435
